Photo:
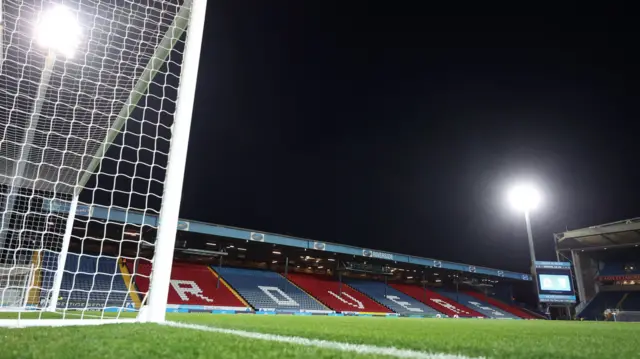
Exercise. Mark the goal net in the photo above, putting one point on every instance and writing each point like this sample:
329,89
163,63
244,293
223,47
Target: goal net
95,110
15,283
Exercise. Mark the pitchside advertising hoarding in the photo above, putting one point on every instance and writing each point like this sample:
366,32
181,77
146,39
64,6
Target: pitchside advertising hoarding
554,282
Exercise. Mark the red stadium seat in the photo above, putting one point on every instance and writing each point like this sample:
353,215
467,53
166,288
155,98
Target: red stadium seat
501,305
328,292
191,284
437,301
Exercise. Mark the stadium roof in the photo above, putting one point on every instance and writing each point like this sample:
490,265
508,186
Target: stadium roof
617,234
138,218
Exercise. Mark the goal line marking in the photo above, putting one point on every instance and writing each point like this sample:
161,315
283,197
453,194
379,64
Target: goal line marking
324,344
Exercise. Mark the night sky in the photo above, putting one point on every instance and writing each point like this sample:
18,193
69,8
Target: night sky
401,129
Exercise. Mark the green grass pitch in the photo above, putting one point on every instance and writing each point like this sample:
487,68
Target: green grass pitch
466,337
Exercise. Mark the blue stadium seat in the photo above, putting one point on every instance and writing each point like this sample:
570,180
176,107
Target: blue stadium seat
88,282
613,268
265,290
392,298
478,305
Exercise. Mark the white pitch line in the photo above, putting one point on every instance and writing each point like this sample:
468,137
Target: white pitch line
325,344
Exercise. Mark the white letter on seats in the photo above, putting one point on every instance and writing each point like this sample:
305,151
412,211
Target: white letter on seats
357,305
404,305
287,299
192,289
493,311
448,305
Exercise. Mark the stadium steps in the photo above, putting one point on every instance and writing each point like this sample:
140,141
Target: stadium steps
197,285
230,288
624,297
632,302
320,287
130,283
34,292
501,305
236,291
596,307
437,301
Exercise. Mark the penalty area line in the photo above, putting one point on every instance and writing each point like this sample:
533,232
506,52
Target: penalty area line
324,344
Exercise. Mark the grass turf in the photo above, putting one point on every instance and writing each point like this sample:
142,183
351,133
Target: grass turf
488,338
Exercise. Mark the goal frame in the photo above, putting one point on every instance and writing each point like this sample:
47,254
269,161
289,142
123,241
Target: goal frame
190,19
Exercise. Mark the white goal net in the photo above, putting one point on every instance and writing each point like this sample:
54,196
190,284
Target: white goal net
95,110
15,282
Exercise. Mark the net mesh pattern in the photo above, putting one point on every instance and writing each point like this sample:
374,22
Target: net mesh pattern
85,93
97,124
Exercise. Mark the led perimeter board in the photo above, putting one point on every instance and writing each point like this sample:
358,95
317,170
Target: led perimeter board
554,282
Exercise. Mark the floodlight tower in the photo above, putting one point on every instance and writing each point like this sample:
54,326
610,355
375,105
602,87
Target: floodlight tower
526,198
58,32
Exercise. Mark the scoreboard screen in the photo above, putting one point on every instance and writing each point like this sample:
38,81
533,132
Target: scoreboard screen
554,282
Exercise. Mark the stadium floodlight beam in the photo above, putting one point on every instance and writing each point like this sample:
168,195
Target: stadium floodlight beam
525,198
58,32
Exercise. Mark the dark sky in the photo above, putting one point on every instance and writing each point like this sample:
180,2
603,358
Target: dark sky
400,129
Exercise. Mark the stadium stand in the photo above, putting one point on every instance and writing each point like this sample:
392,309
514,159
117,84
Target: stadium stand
393,299
437,301
602,301
192,285
88,282
340,298
631,301
478,305
269,291
614,268
501,305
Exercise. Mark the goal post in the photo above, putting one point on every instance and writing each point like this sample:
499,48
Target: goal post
102,120
163,258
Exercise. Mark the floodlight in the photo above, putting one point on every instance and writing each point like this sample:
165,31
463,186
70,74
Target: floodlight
524,197
59,30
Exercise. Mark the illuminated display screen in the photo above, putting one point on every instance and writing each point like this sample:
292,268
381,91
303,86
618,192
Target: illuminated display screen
555,282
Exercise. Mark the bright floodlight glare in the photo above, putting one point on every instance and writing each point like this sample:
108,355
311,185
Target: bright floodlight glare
524,197
58,30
